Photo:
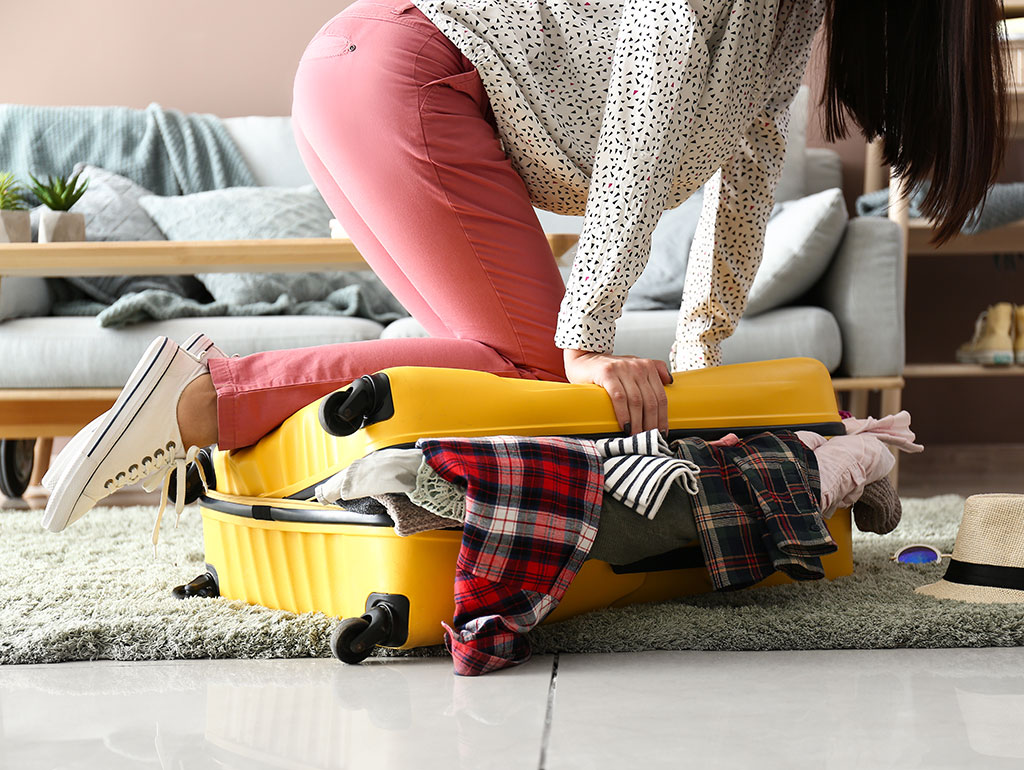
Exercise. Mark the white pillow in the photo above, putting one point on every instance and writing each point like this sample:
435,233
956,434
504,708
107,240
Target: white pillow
799,243
268,145
793,182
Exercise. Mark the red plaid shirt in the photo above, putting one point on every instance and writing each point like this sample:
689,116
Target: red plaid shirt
532,507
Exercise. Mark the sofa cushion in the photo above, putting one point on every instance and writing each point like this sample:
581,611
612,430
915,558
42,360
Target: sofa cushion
22,296
241,213
824,169
783,333
864,290
793,182
80,354
799,243
268,146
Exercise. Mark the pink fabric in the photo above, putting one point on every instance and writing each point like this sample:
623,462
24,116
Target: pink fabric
395,128
849,463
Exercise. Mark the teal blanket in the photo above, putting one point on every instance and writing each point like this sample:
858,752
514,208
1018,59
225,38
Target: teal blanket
164,150
1003,205
357,293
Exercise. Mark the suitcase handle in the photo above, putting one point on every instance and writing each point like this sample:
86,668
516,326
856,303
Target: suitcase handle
364,402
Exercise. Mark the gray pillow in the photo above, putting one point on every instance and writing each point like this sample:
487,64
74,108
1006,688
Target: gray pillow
23,296
660,286
241,213
111,208
801,238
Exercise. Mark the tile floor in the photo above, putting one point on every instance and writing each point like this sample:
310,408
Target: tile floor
841,709
961,708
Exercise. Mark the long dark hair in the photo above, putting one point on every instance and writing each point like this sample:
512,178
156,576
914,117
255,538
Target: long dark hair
929,77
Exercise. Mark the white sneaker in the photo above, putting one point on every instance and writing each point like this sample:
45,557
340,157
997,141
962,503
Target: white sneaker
199,346
137,439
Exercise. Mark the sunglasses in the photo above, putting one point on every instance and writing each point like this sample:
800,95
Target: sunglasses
918,553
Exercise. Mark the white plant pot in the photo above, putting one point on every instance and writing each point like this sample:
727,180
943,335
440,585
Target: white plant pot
15,226
61,226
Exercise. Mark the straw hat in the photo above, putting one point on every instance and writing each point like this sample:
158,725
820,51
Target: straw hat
988,558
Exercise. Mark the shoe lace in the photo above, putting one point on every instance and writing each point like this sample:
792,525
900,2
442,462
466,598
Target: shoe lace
180,468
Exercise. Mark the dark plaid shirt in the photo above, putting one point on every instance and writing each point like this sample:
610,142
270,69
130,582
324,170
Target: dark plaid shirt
532,506
757,510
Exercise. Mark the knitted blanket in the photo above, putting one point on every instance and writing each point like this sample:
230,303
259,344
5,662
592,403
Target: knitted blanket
357,293
164,150
1004,204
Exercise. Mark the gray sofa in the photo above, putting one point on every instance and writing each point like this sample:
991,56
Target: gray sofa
851,320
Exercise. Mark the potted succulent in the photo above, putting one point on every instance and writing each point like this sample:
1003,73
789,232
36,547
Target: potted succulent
59,194
15,225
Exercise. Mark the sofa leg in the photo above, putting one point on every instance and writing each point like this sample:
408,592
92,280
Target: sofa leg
892,399
858,404
41,460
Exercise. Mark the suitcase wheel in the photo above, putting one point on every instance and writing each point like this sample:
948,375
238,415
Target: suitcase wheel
16,460
205,585
354,638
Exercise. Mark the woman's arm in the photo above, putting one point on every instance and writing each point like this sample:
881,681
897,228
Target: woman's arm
658,69
729,243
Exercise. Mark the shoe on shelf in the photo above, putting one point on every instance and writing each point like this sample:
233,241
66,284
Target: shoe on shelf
1018,334
199,346
136,440
992,343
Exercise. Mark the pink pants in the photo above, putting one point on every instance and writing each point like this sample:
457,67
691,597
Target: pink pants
395,128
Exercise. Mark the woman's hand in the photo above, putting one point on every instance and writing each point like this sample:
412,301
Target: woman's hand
636,386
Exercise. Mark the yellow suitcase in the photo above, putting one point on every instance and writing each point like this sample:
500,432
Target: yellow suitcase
266,546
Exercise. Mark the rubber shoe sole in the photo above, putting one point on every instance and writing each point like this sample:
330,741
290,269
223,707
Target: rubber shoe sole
986,357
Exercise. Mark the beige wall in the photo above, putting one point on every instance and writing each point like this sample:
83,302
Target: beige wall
228,57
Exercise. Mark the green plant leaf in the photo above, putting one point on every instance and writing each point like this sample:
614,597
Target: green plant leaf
60,193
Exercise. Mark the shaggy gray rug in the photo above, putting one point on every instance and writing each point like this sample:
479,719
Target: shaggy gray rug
96,591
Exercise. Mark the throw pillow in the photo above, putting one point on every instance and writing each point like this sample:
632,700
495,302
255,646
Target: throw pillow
799,243
660,286
22,297
111,207
241,213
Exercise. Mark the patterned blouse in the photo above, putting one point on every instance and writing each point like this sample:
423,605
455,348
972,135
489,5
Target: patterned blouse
619,109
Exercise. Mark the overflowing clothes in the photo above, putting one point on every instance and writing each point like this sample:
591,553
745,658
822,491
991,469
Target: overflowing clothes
532,509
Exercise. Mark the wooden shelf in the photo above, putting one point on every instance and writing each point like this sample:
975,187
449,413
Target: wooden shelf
1001,240
922,371
186,257
1014,8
